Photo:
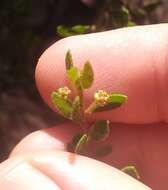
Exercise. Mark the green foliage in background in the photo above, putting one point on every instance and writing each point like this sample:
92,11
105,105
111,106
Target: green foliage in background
63,31
113,14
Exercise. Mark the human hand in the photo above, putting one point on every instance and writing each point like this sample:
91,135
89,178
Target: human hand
132,61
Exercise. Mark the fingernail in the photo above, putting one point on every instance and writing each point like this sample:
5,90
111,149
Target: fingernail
26,177
77,172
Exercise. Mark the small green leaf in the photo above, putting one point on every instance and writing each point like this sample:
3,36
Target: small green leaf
72,144
73,74
68,60
76,111
63,105
74,77
100,130
131,23
80,146
114,101
64,32
103,151
80,29
87,76
132,171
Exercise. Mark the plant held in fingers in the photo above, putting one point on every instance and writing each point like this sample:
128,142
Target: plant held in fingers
75,110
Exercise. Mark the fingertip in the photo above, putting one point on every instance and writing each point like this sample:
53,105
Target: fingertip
49,71
131,61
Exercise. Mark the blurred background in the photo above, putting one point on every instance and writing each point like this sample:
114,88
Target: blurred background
28,27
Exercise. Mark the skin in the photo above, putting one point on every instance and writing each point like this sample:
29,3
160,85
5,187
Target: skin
132,61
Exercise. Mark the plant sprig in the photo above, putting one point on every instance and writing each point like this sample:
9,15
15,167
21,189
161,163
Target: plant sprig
75,110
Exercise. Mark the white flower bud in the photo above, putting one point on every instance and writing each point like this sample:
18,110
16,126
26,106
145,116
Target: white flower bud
64,92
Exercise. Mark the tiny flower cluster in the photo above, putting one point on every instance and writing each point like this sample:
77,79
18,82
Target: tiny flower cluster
64,92
101,97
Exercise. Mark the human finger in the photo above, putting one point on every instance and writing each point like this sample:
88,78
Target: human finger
58,170
144,147
132,61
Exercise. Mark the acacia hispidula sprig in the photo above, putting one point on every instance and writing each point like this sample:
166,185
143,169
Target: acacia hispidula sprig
74,109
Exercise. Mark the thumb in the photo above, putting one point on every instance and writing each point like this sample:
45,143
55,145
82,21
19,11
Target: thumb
58,170
71,171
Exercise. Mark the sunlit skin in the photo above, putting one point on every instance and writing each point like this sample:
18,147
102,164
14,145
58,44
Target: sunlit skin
131,61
